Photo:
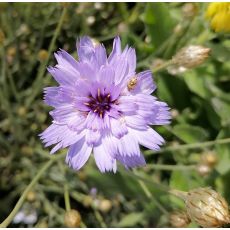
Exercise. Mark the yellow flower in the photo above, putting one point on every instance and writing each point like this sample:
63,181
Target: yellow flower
219,15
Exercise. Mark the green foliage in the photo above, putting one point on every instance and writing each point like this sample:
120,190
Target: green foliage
199,99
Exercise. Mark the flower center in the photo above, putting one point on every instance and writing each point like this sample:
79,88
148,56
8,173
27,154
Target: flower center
100,104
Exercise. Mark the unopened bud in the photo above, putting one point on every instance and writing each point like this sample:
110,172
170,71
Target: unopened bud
90,20
26,150
31,196
2,37
189,9
22,111
207,208
209,158
42,55
105,205
72,219
203,169
87,201
191,56
179,219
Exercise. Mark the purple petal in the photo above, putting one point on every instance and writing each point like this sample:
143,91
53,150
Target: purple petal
100,55
78,154
144,84
116,49
61,135
63,76
136,122
106,75
127,105
85,49
118,127
103,159
65,59
130,55
92,137
148,138
132,161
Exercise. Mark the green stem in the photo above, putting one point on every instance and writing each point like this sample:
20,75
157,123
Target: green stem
38,82
163,66
99,218
199,145
66,197
151,197
146,180
21,200
175,192
66,188
171,167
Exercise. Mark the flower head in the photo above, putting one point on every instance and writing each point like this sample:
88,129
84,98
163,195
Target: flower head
102,106
219,15
207,208
191,56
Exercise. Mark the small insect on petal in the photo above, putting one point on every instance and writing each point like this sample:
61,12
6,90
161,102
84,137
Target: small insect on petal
132,83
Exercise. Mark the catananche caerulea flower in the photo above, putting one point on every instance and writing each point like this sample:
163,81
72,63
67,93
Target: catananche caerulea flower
102,106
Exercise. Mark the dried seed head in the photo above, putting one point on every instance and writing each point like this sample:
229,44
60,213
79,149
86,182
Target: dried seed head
179,219
207,208
105,205
191,56
72,219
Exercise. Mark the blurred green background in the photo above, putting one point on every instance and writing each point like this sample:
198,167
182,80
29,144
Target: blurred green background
199,98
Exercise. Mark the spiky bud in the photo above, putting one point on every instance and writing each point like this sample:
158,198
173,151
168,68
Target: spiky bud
207,208
72,219
191,56
179,219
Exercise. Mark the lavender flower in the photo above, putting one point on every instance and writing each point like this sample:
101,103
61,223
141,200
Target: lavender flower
102,106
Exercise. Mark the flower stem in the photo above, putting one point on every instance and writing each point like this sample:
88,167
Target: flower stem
21,200
162,66
38,82
66,197
199,145
175,192
171,167
151,197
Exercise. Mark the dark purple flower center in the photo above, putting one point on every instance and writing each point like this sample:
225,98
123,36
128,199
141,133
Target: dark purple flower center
100,104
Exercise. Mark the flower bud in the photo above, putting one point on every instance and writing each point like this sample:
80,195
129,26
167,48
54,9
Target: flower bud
105,205
22,111
207,208
191,56
87,201
179,219
189,9
209,158
203,169
2,37
42,55
31,196
72,219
